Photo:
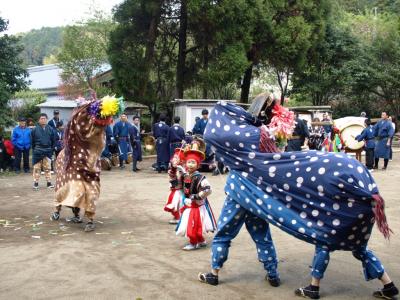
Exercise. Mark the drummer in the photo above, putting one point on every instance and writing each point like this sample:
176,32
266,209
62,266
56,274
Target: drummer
300,135
367,135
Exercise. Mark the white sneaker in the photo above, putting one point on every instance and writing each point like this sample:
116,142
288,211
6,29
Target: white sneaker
370,170
173,221
189,247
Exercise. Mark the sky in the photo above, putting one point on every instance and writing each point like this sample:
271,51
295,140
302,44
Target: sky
24,15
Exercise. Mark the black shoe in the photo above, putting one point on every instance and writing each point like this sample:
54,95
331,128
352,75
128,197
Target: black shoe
306,292
50,185
89,227
36,186
384,168
55,216
387,293
273,281
208,278
74,219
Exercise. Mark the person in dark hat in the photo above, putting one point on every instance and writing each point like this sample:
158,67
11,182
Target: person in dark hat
56,118
21,139
201,123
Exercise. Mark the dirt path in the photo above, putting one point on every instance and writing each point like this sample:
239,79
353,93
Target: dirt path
134,253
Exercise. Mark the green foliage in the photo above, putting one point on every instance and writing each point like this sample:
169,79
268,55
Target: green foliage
25,104
40,44
12,74
83,51
141,63
376,70
322,79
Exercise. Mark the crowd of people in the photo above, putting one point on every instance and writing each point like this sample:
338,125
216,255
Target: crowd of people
377,138
42,142
255,197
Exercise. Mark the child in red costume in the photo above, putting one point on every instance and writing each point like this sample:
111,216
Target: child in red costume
197,217
175,198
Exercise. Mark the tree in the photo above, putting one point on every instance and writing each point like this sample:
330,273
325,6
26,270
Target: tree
376,71
283,33
84,50
25,104
40,44
323,78
12,74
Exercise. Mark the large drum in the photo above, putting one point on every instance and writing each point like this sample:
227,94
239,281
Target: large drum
349,134
115,160
105,163
349,128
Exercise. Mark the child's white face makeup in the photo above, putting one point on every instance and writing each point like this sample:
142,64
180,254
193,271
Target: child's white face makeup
191,165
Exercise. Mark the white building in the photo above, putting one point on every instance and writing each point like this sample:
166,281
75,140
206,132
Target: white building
189,109
46,80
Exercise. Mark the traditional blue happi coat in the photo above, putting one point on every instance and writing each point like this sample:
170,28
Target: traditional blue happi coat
367,135
200,126
383,132
121,134
109,136
134,135
176,135
160,132
322,198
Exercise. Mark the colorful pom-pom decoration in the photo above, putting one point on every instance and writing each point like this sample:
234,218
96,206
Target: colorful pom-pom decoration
104,109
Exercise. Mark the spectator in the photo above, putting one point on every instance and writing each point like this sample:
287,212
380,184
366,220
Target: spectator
176,135
391,138
160,132
327,128
6,154
300,135
43,144
29,123
134,137
21,139
56,118
383,131
59,138
201,123
333,142
121,135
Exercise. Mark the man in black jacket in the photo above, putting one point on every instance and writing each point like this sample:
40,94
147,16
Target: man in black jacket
43,139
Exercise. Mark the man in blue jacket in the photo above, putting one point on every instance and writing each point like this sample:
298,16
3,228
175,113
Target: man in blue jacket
383,132
160,132
201,123
176,135
21,139
368,136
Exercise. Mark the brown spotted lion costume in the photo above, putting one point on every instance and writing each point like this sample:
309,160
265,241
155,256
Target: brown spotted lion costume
78,166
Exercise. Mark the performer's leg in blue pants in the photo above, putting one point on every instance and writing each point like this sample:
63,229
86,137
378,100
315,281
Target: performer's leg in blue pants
373,268
229,224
